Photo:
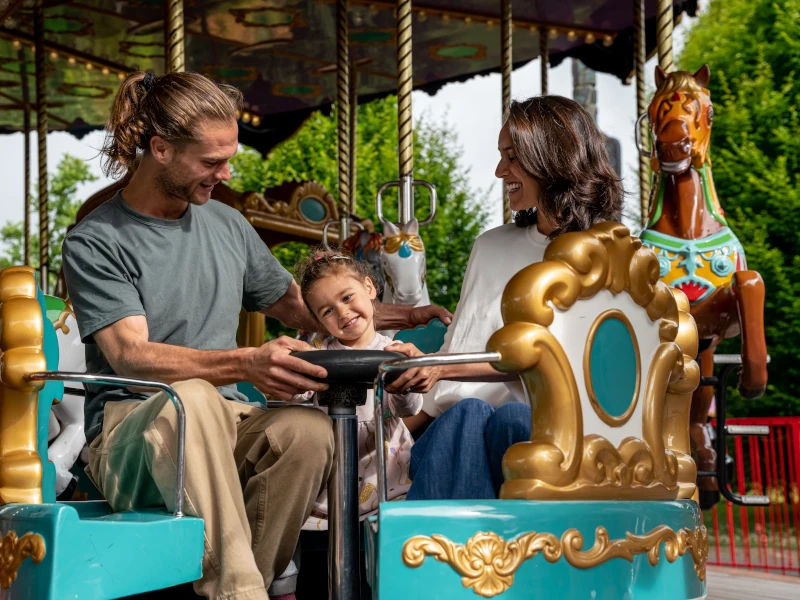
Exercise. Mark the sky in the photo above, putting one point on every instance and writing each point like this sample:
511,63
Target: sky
472,108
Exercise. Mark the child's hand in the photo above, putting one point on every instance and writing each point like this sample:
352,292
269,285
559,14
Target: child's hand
419,380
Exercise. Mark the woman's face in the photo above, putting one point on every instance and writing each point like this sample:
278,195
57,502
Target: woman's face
523,190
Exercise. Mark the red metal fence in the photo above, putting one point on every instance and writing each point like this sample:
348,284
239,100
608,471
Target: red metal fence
761,538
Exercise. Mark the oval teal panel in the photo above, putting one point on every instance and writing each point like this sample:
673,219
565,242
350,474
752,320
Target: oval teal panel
613,367
312,209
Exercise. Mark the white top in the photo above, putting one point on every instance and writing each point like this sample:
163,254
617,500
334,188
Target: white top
397,443
498,255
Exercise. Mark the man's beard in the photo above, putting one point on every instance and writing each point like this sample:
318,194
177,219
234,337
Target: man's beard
174,187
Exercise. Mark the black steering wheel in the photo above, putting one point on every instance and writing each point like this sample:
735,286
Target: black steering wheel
353,368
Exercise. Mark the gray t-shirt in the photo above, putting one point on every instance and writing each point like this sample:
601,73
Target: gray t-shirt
188,276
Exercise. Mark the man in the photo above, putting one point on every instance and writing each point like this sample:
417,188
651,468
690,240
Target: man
157,277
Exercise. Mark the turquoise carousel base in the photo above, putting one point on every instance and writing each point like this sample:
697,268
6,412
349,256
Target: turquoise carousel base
92,553
515,549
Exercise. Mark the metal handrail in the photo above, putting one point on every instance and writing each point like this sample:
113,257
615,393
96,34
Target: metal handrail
402,364
113,380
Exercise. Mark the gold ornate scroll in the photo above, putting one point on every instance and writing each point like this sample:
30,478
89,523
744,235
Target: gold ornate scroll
487,563
14,551
560,462
21,339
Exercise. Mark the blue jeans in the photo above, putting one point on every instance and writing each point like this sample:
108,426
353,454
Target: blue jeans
460,455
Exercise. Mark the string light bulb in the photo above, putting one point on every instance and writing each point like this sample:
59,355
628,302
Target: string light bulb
608,40
89,66
54,56
256,121
16,44
121,76
590,38
445,18
553,33
572,36
71,60
489,24
245,117
105,71
422,16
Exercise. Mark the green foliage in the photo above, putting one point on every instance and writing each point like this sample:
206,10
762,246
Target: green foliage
753,50
311,155
63,205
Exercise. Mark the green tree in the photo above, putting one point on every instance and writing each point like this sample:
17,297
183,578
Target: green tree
753,50
63,205
311,155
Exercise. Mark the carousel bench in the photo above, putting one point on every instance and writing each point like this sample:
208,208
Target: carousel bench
600,502
70,549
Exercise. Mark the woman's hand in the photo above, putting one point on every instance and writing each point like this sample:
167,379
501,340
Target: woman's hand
419,380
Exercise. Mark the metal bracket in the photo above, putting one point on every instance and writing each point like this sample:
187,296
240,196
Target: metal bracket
325,243
417,182
731,363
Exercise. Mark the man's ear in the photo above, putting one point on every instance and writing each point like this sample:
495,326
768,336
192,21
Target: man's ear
161,150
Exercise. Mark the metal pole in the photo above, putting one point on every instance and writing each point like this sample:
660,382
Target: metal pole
173,37
343,561
41,127
343,115
506,57
405,132
544,54
664,35
639,59
26,128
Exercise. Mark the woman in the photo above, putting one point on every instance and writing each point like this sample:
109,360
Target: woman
555,169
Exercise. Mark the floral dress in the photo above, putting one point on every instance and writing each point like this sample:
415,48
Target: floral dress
397,441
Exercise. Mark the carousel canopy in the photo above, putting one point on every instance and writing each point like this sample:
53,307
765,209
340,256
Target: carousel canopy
282,53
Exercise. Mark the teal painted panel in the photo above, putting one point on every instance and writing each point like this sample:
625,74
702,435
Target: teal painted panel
613,367
249,390
312,209
427,338
459,520
95,554
52,391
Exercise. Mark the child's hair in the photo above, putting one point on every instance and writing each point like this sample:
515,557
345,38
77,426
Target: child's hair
323,264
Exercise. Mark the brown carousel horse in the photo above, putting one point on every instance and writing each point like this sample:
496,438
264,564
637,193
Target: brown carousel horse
697,251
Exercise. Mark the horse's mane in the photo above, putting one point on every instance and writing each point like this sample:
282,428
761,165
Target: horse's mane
680,81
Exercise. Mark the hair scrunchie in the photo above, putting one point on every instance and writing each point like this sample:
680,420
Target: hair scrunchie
148,81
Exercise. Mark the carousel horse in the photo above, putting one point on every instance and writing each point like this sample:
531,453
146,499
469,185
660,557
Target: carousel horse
365,246
66,438
697,251
404,266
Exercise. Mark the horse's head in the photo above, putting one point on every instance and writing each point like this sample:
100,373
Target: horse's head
681,115
403,261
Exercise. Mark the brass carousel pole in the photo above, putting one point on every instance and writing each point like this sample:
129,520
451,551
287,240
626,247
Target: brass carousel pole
41,127
544,54
26,129
343,114
405,131
353,139
173,37
664,35
640,59
506,57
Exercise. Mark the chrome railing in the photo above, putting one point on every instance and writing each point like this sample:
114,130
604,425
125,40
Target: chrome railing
402,364
113,380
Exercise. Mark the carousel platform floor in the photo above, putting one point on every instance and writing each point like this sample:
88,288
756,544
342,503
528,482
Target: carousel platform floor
741,584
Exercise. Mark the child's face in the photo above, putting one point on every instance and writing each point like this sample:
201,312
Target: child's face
343,305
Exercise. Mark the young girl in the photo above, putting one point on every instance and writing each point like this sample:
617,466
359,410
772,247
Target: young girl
339,292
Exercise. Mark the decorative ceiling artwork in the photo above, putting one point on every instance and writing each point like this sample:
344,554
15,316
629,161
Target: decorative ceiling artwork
281,53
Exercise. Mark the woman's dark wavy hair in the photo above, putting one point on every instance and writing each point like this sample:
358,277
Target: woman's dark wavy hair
557,143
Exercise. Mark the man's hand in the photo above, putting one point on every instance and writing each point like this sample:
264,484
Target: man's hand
419,380
421,315
275,372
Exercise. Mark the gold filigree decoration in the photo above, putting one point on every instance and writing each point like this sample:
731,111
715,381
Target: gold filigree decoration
560,462
487,563
14,551
61,323
21,344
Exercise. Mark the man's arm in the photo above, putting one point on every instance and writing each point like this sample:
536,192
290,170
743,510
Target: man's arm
270,368
293,312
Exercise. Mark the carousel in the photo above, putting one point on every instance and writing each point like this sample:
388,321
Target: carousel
612,335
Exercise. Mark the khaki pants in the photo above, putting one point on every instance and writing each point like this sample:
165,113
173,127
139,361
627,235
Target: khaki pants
251,475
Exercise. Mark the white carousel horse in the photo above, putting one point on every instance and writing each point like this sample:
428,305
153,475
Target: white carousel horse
66,438
404,266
